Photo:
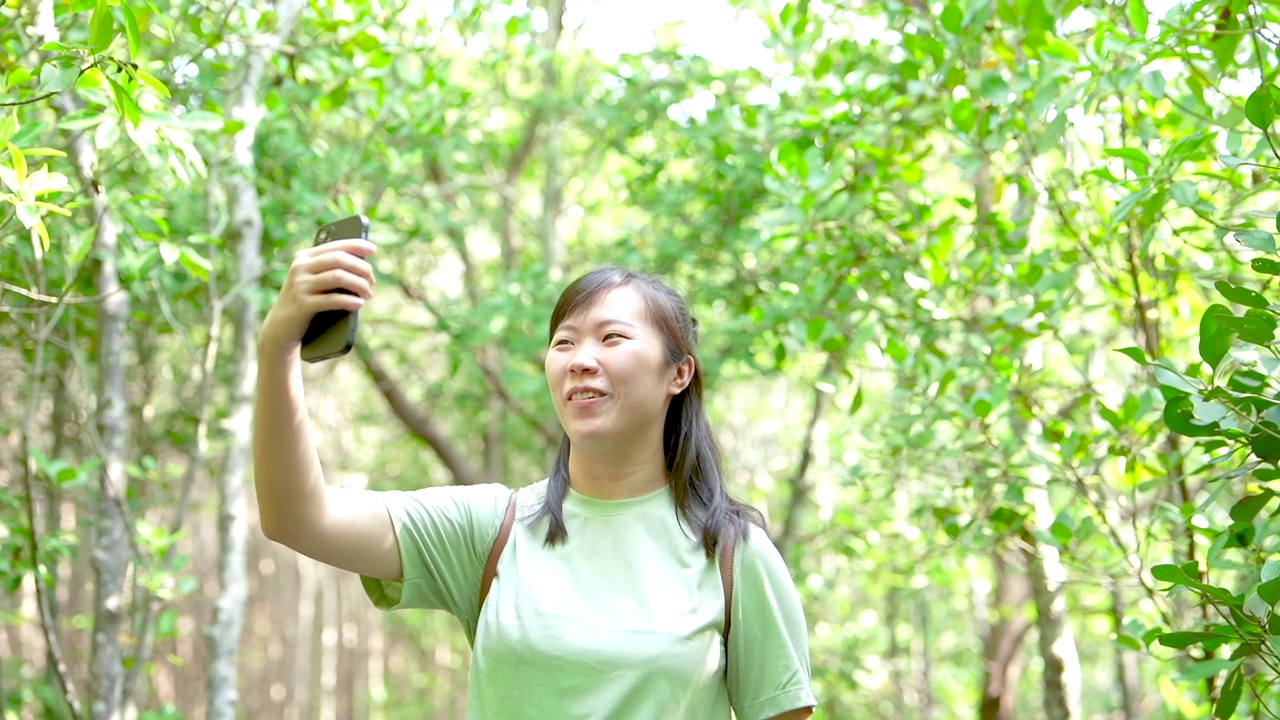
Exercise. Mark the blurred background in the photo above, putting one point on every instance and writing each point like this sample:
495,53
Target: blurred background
983,287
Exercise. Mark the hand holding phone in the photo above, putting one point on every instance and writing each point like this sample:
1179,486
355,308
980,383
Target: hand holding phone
332,333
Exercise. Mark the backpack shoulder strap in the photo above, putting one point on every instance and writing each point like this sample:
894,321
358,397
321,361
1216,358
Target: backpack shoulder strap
727,546
495,552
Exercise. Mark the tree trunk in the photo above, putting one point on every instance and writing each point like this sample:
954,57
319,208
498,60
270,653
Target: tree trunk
896,657
1127,674
1062,677
246,231
304,653
112,547
801,487
1002,648
553,185
921,664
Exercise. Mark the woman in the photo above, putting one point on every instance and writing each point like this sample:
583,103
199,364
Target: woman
608,601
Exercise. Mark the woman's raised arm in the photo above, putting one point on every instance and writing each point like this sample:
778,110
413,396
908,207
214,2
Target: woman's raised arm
349,529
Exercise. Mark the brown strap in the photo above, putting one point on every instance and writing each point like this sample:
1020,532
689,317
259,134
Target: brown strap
495,552
726,576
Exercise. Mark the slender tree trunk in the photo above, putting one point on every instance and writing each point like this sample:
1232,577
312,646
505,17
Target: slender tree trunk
896,660
303,702
111,547
328,650
1127,675
1062,676
801,487
246,232
553,185
1002,648
922,664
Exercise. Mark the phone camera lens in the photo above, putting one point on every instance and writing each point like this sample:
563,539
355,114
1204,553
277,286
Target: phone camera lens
324,235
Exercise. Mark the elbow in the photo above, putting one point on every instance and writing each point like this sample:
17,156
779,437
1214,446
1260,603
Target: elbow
269,529
274,529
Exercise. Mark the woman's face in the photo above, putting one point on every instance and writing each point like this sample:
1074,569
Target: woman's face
608,375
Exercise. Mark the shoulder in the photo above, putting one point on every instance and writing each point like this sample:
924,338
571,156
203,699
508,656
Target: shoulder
478,506
474,496
756,554
761,573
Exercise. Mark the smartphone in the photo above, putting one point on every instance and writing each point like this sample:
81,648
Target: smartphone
332,333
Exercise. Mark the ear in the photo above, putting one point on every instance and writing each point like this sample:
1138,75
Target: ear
682,376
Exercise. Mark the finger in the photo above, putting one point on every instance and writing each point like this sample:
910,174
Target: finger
337,279
334,301
338,261
354,246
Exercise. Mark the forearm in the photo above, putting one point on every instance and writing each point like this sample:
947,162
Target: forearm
286,467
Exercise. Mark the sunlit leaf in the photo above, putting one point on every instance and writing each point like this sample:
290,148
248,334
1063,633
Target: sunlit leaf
1260,108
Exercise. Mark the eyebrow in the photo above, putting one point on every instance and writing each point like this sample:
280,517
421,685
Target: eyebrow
570,327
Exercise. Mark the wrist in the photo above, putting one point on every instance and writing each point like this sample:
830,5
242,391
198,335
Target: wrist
272,350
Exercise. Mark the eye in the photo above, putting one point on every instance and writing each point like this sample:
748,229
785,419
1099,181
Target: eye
559,341
609,335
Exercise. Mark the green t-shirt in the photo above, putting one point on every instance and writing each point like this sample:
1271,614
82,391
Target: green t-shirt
622,621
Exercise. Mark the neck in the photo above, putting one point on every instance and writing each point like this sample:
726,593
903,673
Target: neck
616,474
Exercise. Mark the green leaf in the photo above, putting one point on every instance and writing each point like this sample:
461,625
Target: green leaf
1136,354
1208,668
1252,328
8,126
131,30
1062,533
1138,16
816,326
1240,295
963,115
103,27
1265,442
1171,574
126,105
195,263
1229,696
56,77
1179,416
1232,161
1215,339
1183,640
952,19
1265,266
1133,154
1128,641
1269,591
1185,193
150,81
1257,239
1248,507
1270,570
1260,108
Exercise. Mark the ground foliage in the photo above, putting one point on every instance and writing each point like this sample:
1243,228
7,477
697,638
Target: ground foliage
975,278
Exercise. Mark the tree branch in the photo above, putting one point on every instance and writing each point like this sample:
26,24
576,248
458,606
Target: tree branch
419,422
549,432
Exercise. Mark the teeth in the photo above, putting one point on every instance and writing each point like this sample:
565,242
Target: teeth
588,395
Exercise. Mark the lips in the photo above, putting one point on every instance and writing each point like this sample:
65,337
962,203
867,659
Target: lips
584,394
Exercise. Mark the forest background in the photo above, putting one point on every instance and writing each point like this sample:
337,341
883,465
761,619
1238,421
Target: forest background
984,287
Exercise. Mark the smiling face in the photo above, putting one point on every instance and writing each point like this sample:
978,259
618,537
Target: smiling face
608,373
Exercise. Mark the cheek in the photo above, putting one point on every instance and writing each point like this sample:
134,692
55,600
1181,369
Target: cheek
552,370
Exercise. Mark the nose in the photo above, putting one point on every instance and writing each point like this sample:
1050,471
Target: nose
583,360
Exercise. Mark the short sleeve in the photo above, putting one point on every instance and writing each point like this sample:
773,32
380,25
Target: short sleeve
444,534
768,639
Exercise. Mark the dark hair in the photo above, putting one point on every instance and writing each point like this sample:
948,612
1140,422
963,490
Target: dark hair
694,468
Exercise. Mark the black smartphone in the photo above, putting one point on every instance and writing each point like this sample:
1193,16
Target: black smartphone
332,333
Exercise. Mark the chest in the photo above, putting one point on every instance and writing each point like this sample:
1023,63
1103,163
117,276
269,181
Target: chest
620,605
